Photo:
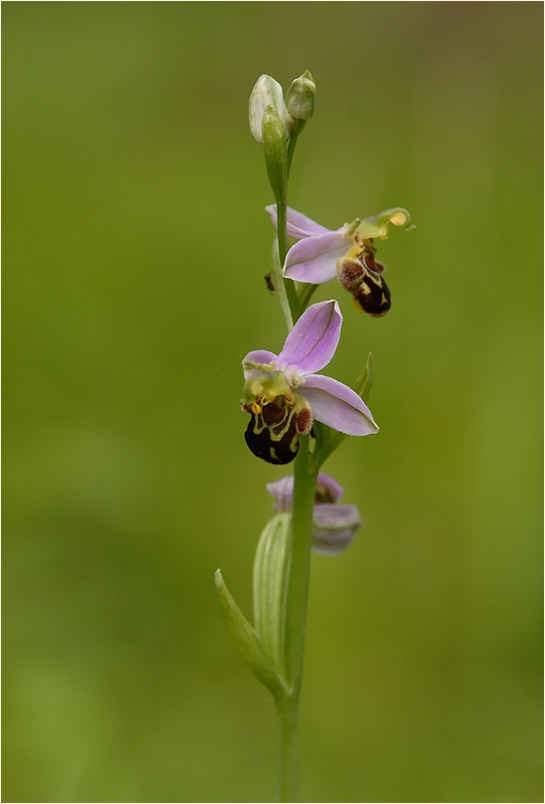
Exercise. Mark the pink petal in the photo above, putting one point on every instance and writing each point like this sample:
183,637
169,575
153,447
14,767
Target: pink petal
338,406
331,486
334,528
312,342
314,259
298,225
257,356
282,491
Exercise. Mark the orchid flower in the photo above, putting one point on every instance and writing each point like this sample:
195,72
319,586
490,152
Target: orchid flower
348,253
333,526
283,394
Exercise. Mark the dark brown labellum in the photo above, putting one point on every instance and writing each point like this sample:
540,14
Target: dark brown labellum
372,294
272,434
363,278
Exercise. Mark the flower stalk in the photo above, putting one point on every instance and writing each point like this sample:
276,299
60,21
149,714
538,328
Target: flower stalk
304,492
296,612
296,414
298,564
289,286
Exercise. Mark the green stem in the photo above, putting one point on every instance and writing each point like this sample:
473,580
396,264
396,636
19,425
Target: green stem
280,286
298,126
305,475
296,608
304,491
291,293
288,751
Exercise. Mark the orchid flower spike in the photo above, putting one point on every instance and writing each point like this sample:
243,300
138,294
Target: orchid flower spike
283,395
348,253
333,526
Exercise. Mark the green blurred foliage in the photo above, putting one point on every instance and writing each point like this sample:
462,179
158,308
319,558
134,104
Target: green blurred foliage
135,246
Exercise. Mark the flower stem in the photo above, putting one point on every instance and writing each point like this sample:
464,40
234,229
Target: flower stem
288,751
298,126
280,286
296,609
291,293
305,475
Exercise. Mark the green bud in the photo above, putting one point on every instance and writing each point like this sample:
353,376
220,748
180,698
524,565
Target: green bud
267,92
276,153
269,585
300,97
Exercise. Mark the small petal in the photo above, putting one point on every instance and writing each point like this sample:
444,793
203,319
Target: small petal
303,417
261,356
282,491
338,406
314,259
298,225
334,528
327,489
312,342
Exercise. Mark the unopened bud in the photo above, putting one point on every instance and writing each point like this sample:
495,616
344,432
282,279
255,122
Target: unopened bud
276,152
333,525
267,92
300,97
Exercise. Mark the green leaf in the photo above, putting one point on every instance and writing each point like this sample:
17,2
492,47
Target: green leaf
247,641
364,384
269,585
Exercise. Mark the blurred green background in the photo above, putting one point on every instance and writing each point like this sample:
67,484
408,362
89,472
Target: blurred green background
135,246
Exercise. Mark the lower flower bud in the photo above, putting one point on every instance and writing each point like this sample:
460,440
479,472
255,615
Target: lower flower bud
333,525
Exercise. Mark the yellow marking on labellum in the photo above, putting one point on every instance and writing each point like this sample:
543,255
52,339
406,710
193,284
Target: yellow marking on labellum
256,408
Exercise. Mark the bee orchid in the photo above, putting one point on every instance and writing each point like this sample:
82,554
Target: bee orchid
347,253
283,394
